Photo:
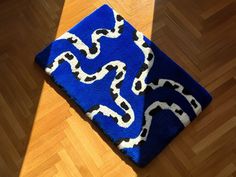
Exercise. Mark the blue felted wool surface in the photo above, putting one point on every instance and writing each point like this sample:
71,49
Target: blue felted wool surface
125,84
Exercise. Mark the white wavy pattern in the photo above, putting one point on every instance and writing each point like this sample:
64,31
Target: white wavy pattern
156,106
93,51
124,121
139,85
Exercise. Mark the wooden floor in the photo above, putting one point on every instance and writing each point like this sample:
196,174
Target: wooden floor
42,134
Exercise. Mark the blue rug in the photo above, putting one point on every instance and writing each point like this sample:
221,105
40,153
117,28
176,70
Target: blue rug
124,83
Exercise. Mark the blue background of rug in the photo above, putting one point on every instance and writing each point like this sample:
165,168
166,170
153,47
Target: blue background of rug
165,124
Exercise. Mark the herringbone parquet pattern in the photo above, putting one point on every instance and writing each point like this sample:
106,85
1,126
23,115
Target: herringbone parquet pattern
43,134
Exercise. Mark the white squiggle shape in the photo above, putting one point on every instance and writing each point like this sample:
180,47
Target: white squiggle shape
80,45
146,51
140,78
82,76
184,119
99,75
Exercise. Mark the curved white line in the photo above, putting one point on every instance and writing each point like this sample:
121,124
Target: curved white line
184,119
81,75
80,45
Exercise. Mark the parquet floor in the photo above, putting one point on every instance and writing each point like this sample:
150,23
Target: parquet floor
44,135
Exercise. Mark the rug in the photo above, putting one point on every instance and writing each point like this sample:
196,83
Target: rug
137,95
